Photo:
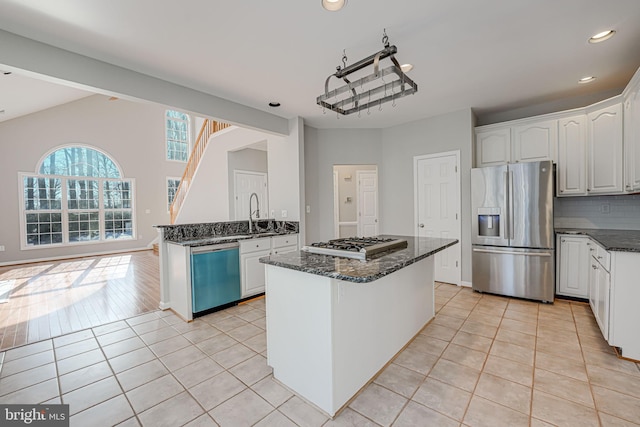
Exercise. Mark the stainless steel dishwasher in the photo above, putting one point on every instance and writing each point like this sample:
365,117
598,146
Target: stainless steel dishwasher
215,276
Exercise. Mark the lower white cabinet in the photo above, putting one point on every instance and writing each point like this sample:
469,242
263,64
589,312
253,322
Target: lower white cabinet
251,269
573,266
599,288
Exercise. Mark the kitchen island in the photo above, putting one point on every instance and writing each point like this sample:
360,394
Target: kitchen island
333,323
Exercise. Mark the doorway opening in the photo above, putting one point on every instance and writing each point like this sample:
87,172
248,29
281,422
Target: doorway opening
355,201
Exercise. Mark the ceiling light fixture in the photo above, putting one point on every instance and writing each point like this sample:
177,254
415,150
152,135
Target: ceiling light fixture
587,79
383,85
600,37
333,5
406,67
274,104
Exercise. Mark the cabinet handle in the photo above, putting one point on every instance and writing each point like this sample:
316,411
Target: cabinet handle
563,240
599,257
593,266
588,189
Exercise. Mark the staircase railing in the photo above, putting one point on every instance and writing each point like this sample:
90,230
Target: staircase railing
209,127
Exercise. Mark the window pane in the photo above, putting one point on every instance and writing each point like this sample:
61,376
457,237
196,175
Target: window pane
42,193
117,195
83,227
172,188
118,225
177,133
83,194
79,161
41,229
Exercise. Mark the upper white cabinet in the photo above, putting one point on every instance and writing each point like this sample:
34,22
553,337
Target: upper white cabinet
534,141
493,147
632,137
604,153
572,156
526,142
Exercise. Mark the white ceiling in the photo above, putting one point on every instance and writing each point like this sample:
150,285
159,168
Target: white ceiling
489,55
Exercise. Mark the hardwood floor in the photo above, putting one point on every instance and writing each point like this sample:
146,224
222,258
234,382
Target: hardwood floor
49,299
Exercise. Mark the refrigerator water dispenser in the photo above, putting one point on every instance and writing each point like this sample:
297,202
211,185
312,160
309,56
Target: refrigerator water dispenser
489,225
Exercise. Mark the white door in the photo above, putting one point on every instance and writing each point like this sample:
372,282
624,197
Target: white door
367,203
245,183
437,202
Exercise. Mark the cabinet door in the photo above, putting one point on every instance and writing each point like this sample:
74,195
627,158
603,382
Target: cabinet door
604,283
493,147
252,270
572,156
632,140
574,266
535,141
605,150
593,286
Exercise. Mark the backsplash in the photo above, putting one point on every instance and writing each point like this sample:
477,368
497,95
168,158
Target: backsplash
611,212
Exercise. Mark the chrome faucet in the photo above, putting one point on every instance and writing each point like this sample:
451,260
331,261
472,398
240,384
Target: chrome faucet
257,211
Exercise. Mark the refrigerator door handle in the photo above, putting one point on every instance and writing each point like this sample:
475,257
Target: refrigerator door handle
507,204
511,233
489,251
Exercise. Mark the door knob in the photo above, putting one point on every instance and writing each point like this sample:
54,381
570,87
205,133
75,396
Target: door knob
421,225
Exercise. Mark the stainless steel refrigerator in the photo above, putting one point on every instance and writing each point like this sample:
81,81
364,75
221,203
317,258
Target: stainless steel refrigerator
512,230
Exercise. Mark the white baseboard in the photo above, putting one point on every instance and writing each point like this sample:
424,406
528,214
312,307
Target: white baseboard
465,284
164,305
83,255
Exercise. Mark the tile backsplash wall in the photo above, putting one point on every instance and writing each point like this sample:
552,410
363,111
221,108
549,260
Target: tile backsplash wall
613,212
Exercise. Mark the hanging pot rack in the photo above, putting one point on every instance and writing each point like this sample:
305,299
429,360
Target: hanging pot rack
370,90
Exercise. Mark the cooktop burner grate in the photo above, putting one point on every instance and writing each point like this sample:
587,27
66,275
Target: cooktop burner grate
355,247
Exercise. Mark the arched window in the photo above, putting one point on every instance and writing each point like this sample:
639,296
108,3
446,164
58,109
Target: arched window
77,195
177,133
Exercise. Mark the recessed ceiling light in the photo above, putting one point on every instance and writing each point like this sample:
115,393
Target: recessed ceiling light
274,104
587,79
333,5
406,67
600,37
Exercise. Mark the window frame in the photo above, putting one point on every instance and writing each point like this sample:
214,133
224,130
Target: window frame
64,210
166,139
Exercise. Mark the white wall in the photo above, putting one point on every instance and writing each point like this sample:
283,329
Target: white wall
325,148
247,159
587,212
286,172
392,149
447,132
131,133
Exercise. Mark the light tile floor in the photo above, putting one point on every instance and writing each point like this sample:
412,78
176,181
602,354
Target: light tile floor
483,361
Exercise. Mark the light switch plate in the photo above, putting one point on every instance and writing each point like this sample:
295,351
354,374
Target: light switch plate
308,209
1,248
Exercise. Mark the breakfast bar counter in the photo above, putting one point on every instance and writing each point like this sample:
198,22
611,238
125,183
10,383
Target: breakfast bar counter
333,323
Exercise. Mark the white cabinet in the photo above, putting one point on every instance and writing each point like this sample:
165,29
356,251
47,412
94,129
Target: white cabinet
572,156
493,147
604,138
599,286
624,316
573,266
525,141
534,142
632,139
251,269
283,244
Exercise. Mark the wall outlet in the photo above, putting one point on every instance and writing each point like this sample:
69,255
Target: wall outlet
273,213
1,248
308,209
147,211
605,208
283,213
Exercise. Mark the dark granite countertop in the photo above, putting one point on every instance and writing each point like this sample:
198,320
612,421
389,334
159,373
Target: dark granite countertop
359,271
218,240
611,240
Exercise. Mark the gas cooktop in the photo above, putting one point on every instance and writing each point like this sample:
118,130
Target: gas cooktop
355,247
